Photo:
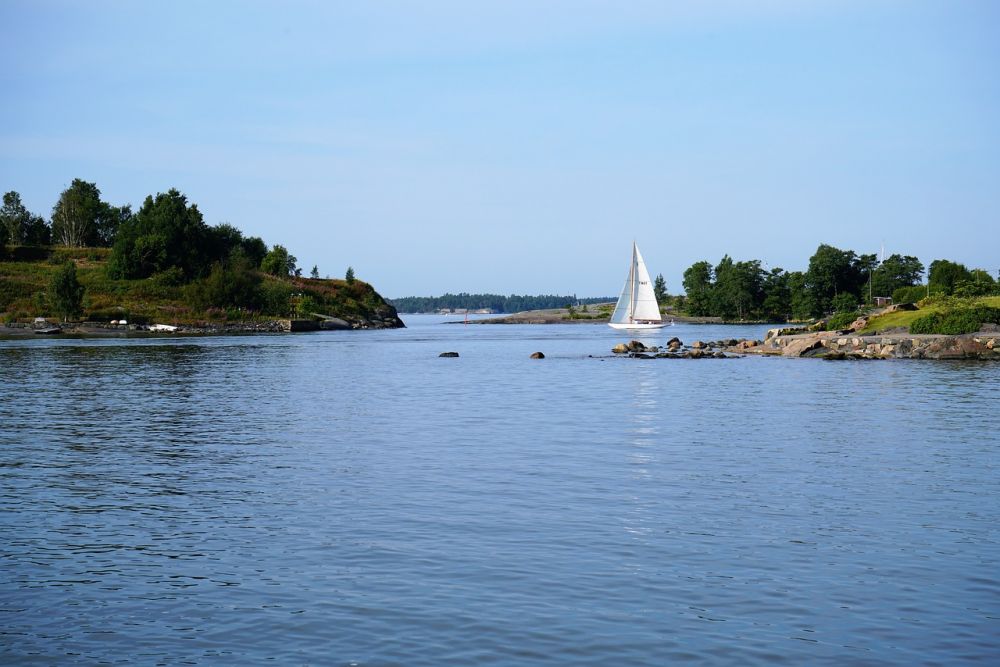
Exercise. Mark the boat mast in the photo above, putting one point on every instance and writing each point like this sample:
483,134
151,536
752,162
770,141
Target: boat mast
631,288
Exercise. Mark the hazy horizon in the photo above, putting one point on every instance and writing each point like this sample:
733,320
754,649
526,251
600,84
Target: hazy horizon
516,147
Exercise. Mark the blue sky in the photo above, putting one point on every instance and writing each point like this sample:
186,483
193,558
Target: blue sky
519,147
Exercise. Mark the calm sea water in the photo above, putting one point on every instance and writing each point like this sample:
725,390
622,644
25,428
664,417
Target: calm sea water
350,498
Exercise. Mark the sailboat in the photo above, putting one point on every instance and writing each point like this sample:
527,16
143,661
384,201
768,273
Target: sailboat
637,307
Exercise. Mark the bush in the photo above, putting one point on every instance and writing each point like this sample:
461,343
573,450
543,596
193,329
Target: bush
66,292
227,285
306,306
171,277
275,297
955,321
845,302
915,293
840,321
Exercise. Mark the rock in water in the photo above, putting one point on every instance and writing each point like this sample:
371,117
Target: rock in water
620,348
448,354
537,355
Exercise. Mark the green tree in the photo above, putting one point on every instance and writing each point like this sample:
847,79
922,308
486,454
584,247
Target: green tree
946,275
349,276
254,249
832,271
165,233
224,240
234,283
37,232
845,302
276,297
66,292
21,226
14,216
738,289
801,299
777,304
660,289
314,274
979,283
279,262
895,272
76,213
698,287
109,219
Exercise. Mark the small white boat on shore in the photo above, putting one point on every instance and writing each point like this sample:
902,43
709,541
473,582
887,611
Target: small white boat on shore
162,327
637,307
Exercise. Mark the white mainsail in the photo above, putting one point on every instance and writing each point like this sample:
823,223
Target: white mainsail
637,307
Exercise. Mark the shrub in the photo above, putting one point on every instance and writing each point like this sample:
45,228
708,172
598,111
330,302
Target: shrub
66,292
227,285
955,321
306,306
845,302
840,321
171,277
915,293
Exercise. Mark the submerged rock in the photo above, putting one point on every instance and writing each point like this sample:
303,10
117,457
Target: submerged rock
537,355
448,354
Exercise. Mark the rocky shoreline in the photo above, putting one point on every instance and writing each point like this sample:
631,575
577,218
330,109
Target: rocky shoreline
108,330
832,345
983,345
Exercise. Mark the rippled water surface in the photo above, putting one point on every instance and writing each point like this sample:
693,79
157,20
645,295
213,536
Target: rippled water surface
352,498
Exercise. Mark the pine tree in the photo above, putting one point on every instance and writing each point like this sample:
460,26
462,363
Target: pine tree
66,292
660,289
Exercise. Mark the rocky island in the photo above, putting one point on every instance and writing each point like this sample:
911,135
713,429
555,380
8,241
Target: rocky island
861,340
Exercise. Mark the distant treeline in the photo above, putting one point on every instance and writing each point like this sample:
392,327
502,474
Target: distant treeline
836,281
498,303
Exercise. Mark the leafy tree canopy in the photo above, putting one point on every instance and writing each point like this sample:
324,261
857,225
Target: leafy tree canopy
894,272
165,233
947,275
279,262
20,226
80,218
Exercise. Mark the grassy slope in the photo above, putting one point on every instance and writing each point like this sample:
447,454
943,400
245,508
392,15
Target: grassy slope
23,283
905,317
